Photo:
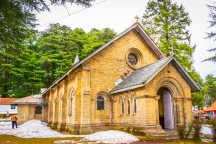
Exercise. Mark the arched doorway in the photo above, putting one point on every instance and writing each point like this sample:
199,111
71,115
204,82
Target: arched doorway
165,106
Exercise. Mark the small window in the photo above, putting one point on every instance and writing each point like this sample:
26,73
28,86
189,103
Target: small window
70,107
13,107
132,58
38,110
121,106
134,105
100,103
128,104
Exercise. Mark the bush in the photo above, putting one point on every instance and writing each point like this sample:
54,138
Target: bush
208,117
184,131
213,123
197,125
181,131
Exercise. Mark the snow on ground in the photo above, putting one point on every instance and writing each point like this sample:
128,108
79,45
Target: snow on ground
38,129
112,136
206,130
31,129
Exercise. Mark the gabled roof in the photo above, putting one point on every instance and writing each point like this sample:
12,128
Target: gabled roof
136,27
33,99
143,75
7,101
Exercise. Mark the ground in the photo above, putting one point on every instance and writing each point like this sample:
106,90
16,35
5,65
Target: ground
38,132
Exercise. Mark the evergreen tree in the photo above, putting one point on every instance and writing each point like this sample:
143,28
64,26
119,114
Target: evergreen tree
212,34
167,23
210,88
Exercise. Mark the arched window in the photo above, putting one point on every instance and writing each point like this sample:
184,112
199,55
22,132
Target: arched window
70,101
38,110
70,107
121,106
134,105
100,103
128,106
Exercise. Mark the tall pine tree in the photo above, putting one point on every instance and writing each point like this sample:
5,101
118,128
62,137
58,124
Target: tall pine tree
212,34
167,23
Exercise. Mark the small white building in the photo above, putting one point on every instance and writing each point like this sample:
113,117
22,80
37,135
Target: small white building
5,106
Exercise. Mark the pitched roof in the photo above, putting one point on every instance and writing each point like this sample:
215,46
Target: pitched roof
135,26
143,75
33,99
7,101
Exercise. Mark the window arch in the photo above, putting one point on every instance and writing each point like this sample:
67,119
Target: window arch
121,104
38,110
100,102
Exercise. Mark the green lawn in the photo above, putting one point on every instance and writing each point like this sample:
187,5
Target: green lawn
9,139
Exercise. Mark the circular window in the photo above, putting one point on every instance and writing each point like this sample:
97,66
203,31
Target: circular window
134,58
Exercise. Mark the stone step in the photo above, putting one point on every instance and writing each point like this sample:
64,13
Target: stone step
165,134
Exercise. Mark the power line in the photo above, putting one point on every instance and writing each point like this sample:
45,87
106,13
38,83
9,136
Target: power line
69,14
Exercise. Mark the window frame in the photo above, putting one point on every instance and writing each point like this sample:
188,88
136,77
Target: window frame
128,106
134,105
38,112
102,101
121,104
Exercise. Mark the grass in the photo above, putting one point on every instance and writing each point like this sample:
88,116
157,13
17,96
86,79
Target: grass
10,139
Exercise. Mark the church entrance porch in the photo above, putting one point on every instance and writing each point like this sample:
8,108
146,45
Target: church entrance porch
165,108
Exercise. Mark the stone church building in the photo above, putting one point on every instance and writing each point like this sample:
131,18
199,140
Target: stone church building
128,82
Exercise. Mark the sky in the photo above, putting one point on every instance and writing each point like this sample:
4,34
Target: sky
38,129
120,14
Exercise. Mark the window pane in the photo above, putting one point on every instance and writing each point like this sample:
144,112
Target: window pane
128,107
122,107
38,110
100,103
135,110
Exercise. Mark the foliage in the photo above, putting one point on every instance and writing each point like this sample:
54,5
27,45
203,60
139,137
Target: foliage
197,125
167,23
189,129
17,21
184,131
181,131
213,123
212,34
210,88
16,24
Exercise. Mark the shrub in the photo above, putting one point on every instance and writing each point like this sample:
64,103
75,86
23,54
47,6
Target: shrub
189,129
197,125
208,117
213,123
181,131
184,130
